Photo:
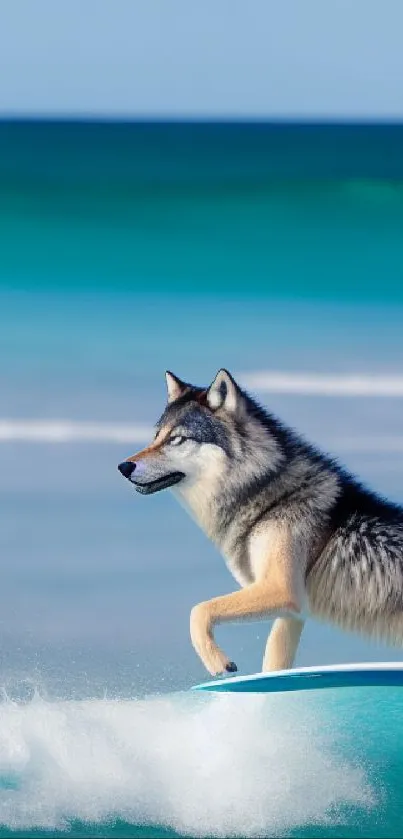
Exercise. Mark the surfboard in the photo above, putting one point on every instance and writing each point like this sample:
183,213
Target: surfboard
383,674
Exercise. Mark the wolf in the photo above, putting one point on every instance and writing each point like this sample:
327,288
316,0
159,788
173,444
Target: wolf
301,536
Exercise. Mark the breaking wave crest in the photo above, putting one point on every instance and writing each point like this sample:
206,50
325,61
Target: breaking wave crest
218,766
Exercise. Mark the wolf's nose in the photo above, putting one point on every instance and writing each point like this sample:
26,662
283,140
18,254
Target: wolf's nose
126,468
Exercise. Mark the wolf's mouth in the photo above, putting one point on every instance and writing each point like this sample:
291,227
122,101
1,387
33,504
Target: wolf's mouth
159,483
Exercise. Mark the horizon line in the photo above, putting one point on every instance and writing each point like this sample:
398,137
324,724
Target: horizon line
203,119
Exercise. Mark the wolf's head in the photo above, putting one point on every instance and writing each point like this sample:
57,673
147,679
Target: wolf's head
207,439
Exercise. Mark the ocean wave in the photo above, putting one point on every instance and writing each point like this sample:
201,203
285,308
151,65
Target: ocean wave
72,431
218,766
75,431
323,384
69,430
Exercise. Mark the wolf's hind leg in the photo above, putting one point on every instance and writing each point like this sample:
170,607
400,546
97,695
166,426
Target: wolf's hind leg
282,644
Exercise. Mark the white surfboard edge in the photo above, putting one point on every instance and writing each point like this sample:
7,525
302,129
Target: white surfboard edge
363,674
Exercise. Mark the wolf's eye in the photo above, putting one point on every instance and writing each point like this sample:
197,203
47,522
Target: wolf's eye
177,440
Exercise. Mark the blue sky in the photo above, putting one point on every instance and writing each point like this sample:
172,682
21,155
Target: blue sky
256,58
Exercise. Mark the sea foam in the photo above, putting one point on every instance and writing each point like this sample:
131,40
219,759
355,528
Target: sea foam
220,766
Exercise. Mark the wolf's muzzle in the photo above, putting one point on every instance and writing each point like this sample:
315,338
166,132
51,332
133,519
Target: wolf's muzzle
148,487
126,468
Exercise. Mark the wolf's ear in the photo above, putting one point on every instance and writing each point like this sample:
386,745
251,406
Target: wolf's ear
175,386
223,392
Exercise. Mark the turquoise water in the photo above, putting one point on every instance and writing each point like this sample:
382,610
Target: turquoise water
126,250
312,211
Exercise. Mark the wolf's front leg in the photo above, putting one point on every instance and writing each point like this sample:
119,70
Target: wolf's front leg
282,644
257,601
201,633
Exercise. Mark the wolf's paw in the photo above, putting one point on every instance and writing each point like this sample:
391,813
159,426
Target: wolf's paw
217,663
214,660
